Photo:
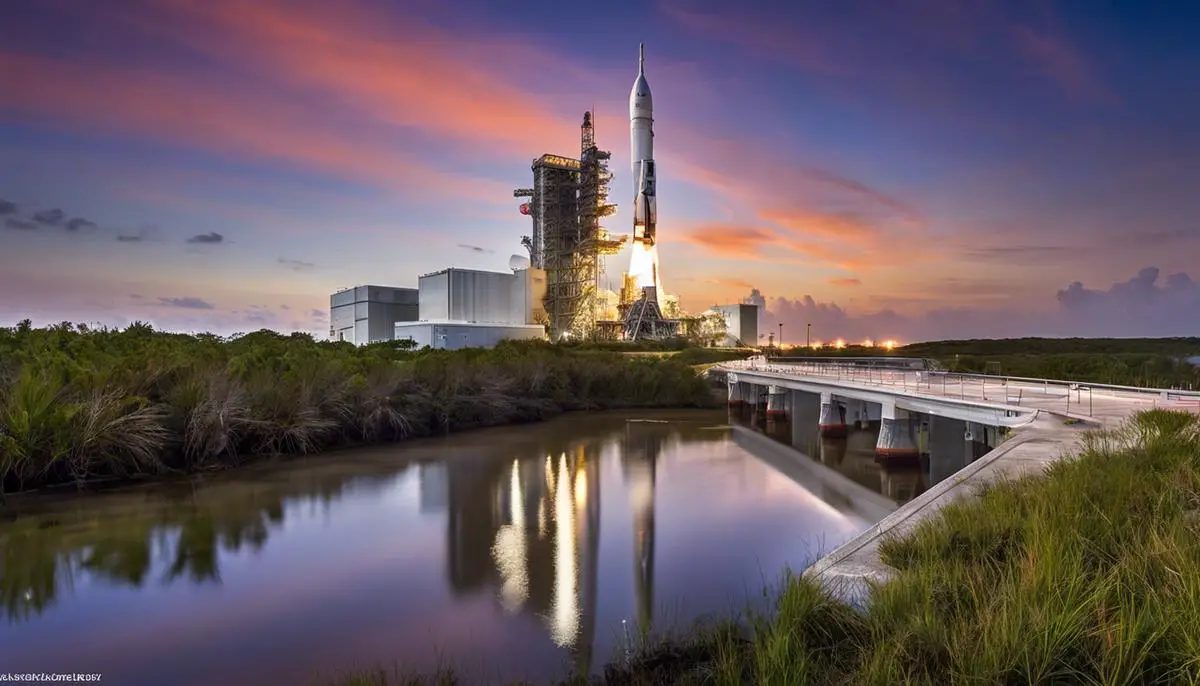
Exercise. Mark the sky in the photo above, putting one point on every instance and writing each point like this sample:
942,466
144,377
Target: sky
915,169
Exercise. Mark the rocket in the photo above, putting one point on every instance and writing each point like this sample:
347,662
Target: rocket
641,147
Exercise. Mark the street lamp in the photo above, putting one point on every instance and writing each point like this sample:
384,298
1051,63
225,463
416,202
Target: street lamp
780,335
808,335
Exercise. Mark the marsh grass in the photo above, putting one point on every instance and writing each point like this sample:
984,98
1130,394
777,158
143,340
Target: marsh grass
79,405
1089,574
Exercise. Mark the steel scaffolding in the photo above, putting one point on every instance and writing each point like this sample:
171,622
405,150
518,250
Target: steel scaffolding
568,200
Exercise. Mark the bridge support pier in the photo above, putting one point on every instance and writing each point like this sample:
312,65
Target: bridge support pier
948,452
735,395
895,442
760,400
864,415
806,416
776,403
976,437
833,417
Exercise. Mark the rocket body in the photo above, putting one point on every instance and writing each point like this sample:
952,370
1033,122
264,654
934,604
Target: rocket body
641,146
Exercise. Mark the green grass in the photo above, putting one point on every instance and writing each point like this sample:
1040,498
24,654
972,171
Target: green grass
1089,574
79,405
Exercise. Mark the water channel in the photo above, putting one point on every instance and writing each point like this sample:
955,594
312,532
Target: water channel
520,552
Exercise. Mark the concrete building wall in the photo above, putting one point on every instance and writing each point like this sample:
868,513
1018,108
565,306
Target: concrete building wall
457,335
468,295
741,323
368,314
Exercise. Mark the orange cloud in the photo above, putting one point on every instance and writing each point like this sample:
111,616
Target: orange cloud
736,241
844,228
812,212
186,109
404,73
845,282
729,240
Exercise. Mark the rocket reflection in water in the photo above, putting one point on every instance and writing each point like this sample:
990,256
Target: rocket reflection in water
529,528
542,516
644,442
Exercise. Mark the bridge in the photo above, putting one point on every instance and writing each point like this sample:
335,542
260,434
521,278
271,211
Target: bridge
1002,426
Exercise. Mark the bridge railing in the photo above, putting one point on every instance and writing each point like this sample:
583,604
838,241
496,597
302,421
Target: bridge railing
933,367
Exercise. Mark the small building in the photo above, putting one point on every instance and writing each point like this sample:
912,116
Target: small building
368,314
447,335
741,324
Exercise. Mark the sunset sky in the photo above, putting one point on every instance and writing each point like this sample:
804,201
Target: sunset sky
912,169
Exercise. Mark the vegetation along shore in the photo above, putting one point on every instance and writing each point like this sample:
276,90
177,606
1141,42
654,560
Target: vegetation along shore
1089,574
79,405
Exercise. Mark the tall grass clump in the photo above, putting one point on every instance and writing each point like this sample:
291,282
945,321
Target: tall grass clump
1088,574
80,404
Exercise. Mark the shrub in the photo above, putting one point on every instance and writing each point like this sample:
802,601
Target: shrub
78,404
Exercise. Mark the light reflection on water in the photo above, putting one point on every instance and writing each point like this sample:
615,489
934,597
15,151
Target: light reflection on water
488,550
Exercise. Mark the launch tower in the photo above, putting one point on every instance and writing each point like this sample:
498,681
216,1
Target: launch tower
568,200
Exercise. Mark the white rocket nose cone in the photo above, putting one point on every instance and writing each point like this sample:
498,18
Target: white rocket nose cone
641,103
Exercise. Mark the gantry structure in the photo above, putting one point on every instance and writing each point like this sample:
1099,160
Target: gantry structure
568,202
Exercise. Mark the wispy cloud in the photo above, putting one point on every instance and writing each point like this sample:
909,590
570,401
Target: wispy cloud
212,238
80,224
476,249
196,111
1059,62
731,240
846,282
187,303
297,265
19,224
52,217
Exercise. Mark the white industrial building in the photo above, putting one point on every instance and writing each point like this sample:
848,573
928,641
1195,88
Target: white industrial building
368,314
741,324
468,308
470,295
450,309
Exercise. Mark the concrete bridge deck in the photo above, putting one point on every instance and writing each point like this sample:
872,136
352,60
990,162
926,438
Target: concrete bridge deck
1047,418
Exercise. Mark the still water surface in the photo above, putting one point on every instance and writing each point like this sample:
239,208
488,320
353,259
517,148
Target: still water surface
510,553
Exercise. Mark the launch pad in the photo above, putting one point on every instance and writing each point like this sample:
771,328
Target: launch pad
643,319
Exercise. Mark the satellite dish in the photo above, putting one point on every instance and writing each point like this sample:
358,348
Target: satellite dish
518,262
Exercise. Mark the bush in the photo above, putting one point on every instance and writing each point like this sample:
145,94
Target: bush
78,404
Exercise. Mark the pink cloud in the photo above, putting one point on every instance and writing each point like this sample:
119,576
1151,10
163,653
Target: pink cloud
1060,62
190,110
